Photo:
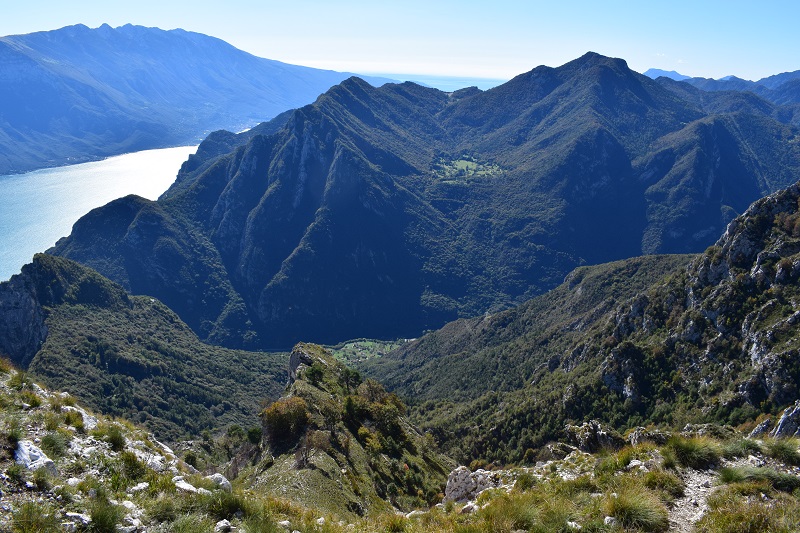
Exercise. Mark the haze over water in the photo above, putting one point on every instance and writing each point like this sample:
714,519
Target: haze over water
40,207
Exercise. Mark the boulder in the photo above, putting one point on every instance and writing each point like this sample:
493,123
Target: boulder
640,435
761,429
223,526
463,485
789,423
33,458
221,482
460,485
592,437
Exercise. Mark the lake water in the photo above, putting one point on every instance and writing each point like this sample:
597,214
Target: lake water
40,207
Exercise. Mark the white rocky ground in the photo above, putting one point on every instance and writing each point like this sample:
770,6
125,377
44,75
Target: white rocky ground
87,461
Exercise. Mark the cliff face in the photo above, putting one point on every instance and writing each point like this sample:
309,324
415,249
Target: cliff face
22,327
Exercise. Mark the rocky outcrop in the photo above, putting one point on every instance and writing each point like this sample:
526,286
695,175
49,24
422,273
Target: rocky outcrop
464,485
592,436
789,423
640,435
22,326
33,458
298,357
221,482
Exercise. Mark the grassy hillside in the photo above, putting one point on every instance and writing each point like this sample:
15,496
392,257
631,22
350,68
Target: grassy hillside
336,443
131,356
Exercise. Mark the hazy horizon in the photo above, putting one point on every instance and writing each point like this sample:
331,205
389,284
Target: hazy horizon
462,39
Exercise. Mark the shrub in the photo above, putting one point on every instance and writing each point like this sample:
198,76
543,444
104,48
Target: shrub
32,517
112,434
694,452
42,479
664,481
315,373
254,435
105,515
14,432
286,419
16,473
74,419
784,450
132,467
740,448
508,513
54,444
525,482
20,380
162,509
31,398
52,421
638,509
191,523
778,480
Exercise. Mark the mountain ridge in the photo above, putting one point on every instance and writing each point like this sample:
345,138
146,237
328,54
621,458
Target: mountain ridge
76,93
392,200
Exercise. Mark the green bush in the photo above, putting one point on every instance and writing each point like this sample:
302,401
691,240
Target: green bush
112,434
664,481
42,479
638,509
778,480
695,452
132,467
55,444
254,435
525,481
191,523
162,509
105,515
286,419
784,450
32,517
74,419
740,448
16,473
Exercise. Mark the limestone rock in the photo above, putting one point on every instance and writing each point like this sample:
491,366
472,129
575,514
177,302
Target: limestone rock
89,421
180,484
592,436
223,526
761,429
459,485
33,458
469,508
221,482
79,518
789,423
463,485
640,435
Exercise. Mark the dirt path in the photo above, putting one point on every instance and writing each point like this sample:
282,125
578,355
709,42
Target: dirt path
690,508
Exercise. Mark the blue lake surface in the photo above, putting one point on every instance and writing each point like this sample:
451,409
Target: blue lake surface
38,208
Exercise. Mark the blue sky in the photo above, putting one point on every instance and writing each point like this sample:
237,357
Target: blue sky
462,38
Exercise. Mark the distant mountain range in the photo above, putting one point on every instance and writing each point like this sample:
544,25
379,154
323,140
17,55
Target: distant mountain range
781,89
76,93
382,212
671,74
